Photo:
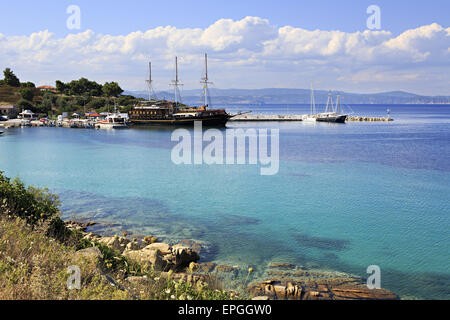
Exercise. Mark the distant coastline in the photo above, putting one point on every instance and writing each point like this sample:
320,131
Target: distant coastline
297,96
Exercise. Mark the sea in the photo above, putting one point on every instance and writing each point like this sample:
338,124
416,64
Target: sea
345,197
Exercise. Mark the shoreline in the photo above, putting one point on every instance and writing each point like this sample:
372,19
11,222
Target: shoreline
279,280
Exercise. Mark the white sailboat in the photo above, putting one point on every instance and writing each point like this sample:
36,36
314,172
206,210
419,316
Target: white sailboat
311,117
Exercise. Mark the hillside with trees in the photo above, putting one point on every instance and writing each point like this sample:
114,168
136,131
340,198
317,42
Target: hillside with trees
78,96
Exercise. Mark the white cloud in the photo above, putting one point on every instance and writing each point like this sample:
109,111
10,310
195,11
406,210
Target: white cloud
245,53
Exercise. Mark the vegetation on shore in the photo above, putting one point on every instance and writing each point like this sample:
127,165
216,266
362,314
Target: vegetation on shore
36,249
78,96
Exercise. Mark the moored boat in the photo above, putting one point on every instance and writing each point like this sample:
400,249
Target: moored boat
332,113
113,121
312,116
165,112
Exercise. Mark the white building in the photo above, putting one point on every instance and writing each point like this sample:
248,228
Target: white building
27,115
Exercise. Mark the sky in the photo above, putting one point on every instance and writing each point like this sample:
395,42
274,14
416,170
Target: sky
250,44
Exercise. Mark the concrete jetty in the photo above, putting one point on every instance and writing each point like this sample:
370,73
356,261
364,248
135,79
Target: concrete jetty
261,117
295,117
369,119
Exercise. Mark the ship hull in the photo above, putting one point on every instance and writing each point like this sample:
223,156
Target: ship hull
333,119
206,122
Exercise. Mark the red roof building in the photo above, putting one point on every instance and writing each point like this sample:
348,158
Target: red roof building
47,88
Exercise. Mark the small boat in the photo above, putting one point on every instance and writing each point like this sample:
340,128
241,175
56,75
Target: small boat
113,121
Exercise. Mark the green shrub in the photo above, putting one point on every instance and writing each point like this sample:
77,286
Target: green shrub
38,207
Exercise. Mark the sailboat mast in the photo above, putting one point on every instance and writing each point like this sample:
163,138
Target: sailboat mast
313,101
329,103
338,102
205,82
206,79
150,81
206,66
151,92
176,83
176,69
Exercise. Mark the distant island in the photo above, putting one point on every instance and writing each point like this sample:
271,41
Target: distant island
295,96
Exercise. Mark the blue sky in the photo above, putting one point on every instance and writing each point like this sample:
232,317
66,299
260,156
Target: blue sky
254,48
120,17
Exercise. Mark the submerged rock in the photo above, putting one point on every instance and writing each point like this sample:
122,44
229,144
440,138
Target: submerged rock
79,226
224,269
150,240
281,265
207,267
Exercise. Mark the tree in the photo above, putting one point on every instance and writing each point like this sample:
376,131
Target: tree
24,105
28,85
112,89
27,94
61,86
10,78
84,86
97,103
47,103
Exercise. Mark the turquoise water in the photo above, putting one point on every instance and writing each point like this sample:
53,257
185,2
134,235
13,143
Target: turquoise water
346,196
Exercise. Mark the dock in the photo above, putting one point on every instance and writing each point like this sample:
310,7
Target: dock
369,119
261,117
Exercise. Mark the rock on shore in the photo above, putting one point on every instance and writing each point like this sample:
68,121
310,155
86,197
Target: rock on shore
329,289
287,281
162,256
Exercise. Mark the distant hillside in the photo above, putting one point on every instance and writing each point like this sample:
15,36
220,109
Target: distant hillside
295,96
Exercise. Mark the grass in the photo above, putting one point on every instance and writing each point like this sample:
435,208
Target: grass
11,95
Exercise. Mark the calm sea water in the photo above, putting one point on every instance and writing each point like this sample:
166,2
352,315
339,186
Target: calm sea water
346,196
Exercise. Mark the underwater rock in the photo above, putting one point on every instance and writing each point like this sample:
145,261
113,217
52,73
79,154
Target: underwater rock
281,265
321,243
150,239
236,220
79,226
207,267
224,269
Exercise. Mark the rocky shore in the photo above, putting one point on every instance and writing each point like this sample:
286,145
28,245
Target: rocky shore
280,280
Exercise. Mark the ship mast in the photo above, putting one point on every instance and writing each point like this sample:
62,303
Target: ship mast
313,101
176,83
338,103
205,82
151,92
329,103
